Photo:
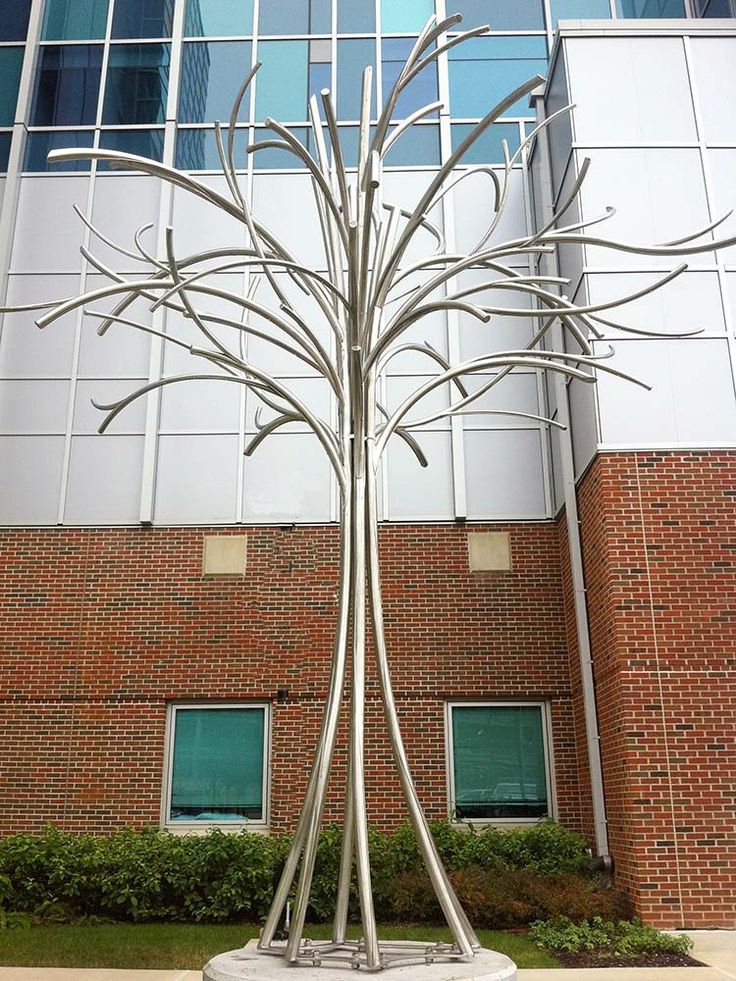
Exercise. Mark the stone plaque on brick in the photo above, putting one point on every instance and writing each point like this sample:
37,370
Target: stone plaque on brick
489,551
224,555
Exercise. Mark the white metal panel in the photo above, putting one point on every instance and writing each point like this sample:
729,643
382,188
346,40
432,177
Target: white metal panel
285,204
199,225
516,392
659,195
30,479
405,189
315,393
104,480
571,258
199,406
504,332
714,59
416,492
122,203
26,350
87,419
196,480
730,288
630,91
33,406
690,302
722,165
399,387
504,474
473,200
583,424
177,359
560,131
122,351
48,233
692,396
287,479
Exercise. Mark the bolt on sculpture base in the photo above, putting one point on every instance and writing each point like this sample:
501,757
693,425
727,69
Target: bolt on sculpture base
320,961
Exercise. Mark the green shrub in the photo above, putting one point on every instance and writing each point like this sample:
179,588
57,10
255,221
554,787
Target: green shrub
615,939
504,877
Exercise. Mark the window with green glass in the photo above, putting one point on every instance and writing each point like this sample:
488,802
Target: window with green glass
407,17
651,8
500,15
485,69
498,762
211,74
11,61
137,84
74,20
217,769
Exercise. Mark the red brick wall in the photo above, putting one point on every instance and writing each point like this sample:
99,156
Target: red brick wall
101,628
659,537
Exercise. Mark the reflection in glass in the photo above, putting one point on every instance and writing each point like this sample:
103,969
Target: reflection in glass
70,20
283,17
352,57
218,18
579,9
196,149
142,18
281,84
67,85
11,62
485,69
142,142
14,20
274,158
521,15
137,84
407,17
421,90
38,146
651,8
356,17
487,149
5,139
211,74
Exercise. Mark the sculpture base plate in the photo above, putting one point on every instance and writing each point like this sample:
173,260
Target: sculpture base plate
249,964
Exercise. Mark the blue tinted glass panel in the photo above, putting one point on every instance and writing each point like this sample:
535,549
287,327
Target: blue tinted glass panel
137,84
356,17
5,139
281,84
283,17
579,9
70,20
217,770
14,16
418,145
320,77
218,18
38,146
211,74
273,158
320,17
501,15
11,62
352,57
651,8
420,91
143,142
484,70
196,149
142,18
720,8
406,17
67,85
488,147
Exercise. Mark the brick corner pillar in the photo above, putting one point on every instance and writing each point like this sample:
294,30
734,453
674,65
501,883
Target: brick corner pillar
659,547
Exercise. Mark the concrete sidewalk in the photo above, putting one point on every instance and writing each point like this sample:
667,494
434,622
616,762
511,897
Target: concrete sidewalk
716,948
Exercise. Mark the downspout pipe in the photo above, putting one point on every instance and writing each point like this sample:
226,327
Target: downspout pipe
603,860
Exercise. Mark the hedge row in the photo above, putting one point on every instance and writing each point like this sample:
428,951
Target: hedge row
503,877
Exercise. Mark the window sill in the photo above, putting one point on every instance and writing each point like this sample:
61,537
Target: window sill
204,828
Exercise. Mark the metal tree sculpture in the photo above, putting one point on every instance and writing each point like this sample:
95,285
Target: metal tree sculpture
366,240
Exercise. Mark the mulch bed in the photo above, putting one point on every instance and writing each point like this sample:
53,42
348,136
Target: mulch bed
591,959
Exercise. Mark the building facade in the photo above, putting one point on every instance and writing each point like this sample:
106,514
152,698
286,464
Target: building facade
167,605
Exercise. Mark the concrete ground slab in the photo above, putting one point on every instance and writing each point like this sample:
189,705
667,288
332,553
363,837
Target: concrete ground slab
93,974
717,948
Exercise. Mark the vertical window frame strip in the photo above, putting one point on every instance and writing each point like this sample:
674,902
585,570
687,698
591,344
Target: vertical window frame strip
547,747
194,827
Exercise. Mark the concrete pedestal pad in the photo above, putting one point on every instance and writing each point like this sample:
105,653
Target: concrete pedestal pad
250,965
